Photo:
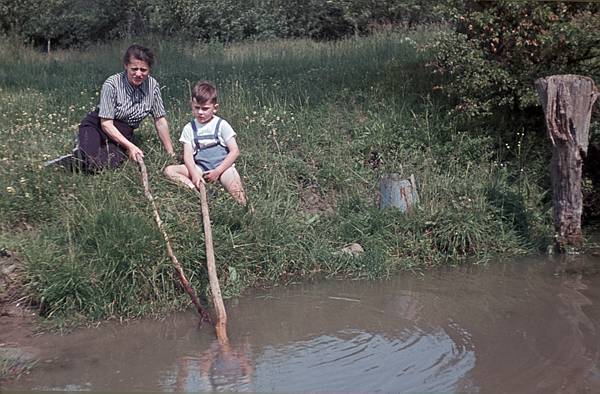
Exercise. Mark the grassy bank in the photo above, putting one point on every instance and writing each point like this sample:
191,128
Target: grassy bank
318,124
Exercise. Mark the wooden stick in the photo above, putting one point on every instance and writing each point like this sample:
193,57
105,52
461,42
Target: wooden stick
221,324
204,316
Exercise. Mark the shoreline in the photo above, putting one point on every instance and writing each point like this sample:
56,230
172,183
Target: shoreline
18,322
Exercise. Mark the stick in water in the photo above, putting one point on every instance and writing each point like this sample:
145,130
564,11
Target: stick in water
221,324
204,316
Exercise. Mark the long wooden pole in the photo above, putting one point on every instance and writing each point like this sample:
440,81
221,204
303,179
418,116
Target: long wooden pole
221,324
186,284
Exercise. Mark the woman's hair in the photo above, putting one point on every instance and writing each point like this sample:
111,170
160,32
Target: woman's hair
139,52
205,92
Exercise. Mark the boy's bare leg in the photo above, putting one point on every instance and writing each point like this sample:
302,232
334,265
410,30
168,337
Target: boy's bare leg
179,173
232,182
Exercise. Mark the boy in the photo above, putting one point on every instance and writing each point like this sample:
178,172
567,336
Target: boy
209,146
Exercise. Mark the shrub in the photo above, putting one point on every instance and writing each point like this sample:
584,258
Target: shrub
498,49
62,23
67,23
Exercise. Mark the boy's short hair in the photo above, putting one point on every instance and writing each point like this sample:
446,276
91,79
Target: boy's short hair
205,92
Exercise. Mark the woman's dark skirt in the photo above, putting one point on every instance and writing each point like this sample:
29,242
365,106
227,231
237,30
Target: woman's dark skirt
96,150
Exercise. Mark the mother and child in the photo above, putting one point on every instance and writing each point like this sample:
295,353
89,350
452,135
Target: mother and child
106,135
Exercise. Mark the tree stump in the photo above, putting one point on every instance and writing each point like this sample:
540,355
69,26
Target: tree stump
567,101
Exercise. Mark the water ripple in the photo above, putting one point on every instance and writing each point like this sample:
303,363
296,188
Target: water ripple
420,361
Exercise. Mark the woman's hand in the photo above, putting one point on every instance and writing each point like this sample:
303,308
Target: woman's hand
134,152
114,134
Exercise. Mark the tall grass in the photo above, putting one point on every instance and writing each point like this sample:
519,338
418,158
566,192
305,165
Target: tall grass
318,124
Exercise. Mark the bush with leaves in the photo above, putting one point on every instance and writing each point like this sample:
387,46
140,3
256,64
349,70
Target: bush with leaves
63,23
68,23
497,50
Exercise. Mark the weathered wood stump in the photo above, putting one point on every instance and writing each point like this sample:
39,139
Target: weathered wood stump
398,193
567,101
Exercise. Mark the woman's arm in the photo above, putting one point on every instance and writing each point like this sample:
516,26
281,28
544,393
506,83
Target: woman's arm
162,129
114,134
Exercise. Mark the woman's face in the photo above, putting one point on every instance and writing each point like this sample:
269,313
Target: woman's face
137,71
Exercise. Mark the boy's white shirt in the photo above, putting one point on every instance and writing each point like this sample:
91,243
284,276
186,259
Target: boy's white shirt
226,132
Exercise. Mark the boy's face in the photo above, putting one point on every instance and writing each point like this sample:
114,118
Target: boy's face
203,112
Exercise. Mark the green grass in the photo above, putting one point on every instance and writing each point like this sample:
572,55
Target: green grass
318,124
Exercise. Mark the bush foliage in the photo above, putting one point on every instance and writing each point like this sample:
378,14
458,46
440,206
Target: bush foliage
498,49
65,23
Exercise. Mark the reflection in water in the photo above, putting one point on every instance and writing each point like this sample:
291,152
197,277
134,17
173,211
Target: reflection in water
573,360
429,360
219,368
499,328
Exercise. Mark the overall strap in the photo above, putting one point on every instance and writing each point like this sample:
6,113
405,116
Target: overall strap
217,131
214,137
194,128
196,136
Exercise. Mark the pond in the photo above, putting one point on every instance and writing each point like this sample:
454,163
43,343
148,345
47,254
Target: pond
513,326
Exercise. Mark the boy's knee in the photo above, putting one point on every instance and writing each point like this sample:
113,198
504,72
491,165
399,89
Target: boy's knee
169,171
237,192
241,198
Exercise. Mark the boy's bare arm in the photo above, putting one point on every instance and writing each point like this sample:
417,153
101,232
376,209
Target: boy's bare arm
190,164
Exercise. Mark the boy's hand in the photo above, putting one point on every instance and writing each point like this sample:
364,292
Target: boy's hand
197,179
212,176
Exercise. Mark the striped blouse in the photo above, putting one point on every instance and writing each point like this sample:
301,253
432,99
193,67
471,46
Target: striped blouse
121,101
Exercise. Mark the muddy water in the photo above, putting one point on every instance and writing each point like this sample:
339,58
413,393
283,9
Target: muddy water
505,327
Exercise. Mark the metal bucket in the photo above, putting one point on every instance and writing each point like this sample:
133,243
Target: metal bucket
396,192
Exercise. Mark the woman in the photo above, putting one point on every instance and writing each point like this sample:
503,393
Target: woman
105,136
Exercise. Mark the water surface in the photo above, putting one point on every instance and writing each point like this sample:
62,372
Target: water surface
519,326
